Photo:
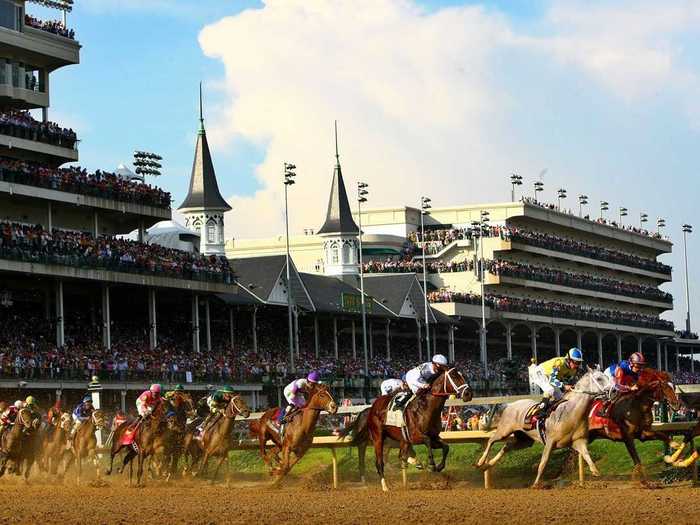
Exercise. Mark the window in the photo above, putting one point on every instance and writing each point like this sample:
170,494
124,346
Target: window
211,234
10,15
346,252
335,254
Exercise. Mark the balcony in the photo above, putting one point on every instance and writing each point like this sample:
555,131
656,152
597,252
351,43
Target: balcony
39,47
19,131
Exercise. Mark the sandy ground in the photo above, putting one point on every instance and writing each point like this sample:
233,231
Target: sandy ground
311,501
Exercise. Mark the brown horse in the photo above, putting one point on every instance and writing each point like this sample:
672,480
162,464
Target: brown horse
423,420
168,446
84,444
299,432
55,441
17,444
631,416
217,438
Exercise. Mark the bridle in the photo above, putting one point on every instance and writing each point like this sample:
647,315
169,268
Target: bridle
98,422
319,393
594,380
238,409
458,389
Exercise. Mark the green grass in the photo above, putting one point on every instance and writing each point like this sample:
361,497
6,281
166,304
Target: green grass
516,469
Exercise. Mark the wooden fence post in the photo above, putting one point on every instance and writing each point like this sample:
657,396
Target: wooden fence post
581,471
335,468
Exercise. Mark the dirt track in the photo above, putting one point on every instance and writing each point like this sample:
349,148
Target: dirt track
201,503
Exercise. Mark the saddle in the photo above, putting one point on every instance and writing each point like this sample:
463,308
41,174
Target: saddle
537,418
597,422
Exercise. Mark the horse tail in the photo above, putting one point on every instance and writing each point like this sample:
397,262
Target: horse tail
358,429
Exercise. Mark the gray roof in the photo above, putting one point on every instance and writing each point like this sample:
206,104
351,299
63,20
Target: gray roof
338,217
392,289
258,275
326,293
204,190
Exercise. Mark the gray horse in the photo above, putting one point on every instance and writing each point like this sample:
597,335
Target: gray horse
566,426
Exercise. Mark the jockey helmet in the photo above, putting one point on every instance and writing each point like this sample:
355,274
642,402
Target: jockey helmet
87,399
18,404
440,359
30,400
575,354
637,359
228,389
155,388
179,388
313,377
95,379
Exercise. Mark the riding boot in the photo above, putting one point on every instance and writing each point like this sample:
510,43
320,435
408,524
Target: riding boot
543,408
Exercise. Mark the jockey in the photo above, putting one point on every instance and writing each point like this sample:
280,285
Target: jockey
294,393
7,418
390,387
175,392
556,375
147,402
30,403
420,377
216,401
625,376
82,413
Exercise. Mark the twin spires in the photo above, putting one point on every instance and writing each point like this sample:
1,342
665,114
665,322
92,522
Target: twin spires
204,190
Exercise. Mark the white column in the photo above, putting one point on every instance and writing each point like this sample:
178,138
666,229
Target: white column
509,341
557,341
579,339
255,329
60,324
335,337
95,224
352,333
600,349
296,332
533,341
142,232
371,341
317,350
419,336
122,404
619,347
49,216
195,323
692,358
207,320
639,344
451,343
666,357
658,355
677,359
152,319
106,319
388,339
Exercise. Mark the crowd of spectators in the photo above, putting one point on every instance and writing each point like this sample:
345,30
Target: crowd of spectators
52,26
685,334
22,125
435,239
575,247
416,266
600,220
71,248
77,180
554,309
576,280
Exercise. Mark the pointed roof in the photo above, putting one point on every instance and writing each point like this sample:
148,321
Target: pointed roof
338,217
204,190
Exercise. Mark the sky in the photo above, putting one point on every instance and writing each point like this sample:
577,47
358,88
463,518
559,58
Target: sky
438,98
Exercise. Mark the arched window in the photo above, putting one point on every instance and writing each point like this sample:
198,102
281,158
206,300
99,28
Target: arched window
347,253
335,253
211,233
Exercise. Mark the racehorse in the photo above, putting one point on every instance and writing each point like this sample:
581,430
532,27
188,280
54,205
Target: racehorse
630,417
17,444
692,402
85,443
55,441
567,424
168,445
423,420
217,438
298,432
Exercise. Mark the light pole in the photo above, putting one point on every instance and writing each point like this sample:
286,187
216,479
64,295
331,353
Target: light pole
362,197
482,332
289,175
687,228
539,186
643,217
561,194
623,213
515,180
660,223
604,206
582,201
424,207
147,163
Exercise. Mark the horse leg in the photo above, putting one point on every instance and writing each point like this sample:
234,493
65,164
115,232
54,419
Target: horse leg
379,459
139,471
543,463
79,461
581,446
493,439
632,450
218,466
437,442
428,441
361,456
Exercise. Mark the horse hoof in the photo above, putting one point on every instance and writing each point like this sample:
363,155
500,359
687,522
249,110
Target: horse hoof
595,473
385,487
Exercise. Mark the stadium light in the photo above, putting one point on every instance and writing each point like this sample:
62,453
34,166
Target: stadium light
582,201
362,193
483,228
643,217
424,207
687,228
515,180
539,186
289,175
604,206
660,223
147,163
561,194
623,213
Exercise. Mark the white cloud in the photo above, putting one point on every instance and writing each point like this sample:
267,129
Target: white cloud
419,96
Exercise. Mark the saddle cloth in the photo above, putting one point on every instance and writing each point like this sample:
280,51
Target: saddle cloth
596,422
394,413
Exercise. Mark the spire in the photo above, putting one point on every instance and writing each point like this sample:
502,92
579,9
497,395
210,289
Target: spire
204,190
338,217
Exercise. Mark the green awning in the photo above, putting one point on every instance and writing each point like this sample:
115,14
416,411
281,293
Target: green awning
380,251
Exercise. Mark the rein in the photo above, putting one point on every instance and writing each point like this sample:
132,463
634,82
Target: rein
457,389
